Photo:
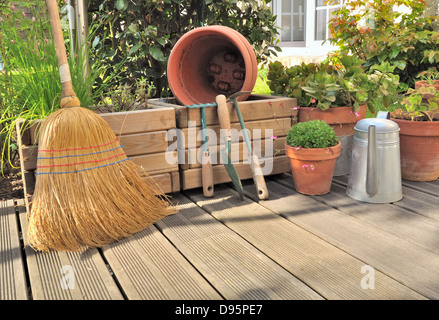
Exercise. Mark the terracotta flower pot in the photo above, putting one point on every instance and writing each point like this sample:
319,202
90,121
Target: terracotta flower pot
208,61
419,145
313,169
343,120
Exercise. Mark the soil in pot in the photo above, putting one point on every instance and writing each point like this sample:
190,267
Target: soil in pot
313,169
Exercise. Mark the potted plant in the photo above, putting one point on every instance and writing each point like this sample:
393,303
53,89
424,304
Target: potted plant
312,148
428,78
338,82
419,134
337,91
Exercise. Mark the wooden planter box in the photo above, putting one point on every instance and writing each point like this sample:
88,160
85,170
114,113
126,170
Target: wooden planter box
259,112
142,134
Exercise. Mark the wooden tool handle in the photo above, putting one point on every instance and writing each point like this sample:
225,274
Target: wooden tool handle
68,98
223,113
258,177
207,175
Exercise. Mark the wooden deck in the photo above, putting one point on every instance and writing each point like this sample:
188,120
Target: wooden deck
289,247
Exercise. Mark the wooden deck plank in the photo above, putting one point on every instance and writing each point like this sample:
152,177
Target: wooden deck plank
12,272
429,187
328,270
419,197
401,218
410,264
148,267
232,265
63,275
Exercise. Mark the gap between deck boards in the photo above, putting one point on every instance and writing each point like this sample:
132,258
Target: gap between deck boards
287,245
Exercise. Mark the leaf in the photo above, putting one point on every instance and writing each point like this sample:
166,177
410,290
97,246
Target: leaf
162,41
156,53
394,53
95,41
400,64
135,48
133,28
121,5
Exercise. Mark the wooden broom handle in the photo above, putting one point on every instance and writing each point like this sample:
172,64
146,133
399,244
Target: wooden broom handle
68,98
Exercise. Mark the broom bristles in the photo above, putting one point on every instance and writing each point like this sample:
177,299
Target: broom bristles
87,192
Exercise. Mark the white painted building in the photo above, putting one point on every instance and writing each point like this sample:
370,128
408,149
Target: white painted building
303,28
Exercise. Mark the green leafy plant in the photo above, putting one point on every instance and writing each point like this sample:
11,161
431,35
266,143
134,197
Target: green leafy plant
375,32
312,134
431,76
146,31
416,107
338,81
289,81
127,98
30,88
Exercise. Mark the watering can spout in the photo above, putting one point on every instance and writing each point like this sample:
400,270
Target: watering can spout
372,171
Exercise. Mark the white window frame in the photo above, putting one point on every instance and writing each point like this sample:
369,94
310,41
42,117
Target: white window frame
327,8
310,23
277,10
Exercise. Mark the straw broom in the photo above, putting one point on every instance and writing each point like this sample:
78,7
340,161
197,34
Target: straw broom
87,192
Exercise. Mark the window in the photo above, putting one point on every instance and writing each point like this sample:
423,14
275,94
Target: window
291,19
303,23
322,17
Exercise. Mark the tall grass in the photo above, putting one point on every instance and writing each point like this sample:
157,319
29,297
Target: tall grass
30,87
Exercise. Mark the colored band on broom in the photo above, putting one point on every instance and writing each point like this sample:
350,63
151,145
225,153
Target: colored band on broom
80,155
83,162
85,169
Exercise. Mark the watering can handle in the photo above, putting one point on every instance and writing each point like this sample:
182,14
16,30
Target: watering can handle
372,170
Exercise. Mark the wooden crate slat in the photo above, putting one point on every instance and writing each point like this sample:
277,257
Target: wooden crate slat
157,162
257,107
238,150
279,127
192,178
130,122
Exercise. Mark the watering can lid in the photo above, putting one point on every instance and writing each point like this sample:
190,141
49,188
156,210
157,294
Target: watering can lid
382,125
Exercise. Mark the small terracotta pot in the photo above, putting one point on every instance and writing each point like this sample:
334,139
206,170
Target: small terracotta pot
313,168
419,147
208,61
342,119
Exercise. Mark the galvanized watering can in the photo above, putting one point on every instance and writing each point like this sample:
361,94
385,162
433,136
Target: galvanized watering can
375,173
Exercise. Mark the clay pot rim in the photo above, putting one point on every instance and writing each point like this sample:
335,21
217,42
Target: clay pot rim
176,84
423,83
313,153
332,107
417,128
328,115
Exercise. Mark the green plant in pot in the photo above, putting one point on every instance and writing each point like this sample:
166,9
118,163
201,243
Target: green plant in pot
338,82
418,121
337,91
312,148
428,78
